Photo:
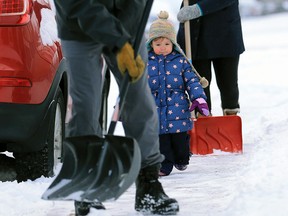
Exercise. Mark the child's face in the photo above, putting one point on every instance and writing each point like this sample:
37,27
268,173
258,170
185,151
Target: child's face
162,46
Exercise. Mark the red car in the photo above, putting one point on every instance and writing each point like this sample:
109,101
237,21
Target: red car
33,88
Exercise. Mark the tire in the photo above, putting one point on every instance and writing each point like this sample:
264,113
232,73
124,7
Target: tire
33,165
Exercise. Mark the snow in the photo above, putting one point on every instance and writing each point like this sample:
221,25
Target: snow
48,27
252,184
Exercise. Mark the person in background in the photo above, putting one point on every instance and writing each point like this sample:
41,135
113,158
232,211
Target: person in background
89,30
216,39
173,84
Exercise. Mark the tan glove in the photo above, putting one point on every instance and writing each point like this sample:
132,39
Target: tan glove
126,61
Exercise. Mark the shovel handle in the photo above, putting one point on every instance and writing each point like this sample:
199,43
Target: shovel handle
187,34
126,79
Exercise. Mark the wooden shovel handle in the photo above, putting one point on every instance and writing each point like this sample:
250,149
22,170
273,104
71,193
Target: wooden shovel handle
187,34
203,80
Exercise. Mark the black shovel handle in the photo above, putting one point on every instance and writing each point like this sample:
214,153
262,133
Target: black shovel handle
126,79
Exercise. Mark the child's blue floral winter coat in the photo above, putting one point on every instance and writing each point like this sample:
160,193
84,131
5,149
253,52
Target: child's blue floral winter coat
171,80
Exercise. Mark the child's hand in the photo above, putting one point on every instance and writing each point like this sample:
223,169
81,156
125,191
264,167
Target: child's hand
200,105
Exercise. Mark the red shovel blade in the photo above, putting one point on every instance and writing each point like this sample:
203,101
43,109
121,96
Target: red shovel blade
216,132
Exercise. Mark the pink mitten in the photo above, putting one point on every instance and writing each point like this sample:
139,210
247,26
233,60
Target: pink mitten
200,105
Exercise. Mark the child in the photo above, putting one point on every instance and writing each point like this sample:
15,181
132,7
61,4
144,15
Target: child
173,83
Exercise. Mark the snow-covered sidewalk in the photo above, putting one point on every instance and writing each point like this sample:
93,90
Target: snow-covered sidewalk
252,184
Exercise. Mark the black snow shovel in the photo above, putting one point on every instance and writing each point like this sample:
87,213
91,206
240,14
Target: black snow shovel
100,169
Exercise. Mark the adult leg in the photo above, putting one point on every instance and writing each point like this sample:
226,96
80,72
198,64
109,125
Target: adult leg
85,78
139,116
203,67
226,72
84,72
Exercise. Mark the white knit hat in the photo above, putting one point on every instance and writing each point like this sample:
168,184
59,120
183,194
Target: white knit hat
161,28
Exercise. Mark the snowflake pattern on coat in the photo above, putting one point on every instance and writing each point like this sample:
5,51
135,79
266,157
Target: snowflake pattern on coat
173,83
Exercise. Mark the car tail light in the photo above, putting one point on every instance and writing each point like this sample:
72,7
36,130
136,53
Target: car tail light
15,12
14,82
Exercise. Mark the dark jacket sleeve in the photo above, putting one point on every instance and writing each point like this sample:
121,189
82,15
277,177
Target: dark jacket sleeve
211,6
93,19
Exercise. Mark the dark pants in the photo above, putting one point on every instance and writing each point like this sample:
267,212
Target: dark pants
175,148
226,74
85,80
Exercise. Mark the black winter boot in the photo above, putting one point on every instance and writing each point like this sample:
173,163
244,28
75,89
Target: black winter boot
150,196
83,208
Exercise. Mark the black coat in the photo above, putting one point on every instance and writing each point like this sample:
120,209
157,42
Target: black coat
217,33
91,20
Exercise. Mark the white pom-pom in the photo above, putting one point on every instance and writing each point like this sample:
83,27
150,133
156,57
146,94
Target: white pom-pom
163,15
204,82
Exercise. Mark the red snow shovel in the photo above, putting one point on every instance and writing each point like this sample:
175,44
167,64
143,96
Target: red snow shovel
218,132
213,132
100,169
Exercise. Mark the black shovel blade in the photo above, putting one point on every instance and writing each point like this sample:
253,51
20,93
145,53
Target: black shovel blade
75,163
111,164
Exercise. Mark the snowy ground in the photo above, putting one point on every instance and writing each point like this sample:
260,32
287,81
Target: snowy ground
252,184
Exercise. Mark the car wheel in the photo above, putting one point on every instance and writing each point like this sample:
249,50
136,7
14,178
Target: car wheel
33,165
